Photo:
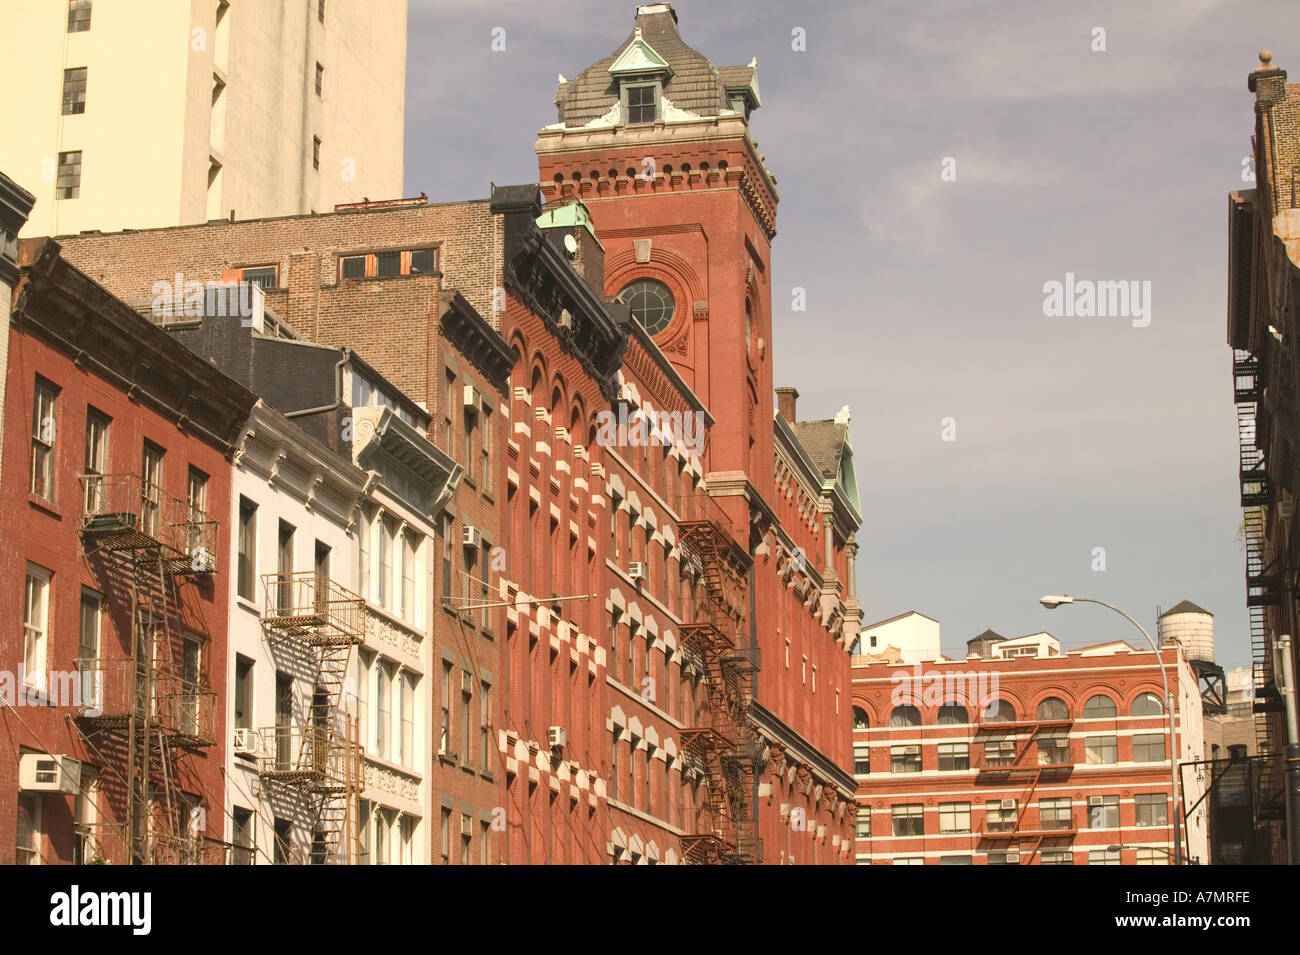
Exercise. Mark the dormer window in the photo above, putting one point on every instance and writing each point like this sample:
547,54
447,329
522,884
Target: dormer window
642,103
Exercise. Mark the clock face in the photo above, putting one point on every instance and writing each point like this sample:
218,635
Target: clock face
651,303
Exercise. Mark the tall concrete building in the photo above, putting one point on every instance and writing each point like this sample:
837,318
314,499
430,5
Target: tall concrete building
158,112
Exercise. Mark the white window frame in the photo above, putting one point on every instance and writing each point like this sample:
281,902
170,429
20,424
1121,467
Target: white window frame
36,625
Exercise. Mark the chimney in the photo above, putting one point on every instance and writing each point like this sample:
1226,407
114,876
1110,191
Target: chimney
785,401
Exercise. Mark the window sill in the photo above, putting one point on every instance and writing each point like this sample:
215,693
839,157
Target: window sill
41,504
248,605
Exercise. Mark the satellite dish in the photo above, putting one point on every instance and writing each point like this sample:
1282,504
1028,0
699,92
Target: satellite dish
571,244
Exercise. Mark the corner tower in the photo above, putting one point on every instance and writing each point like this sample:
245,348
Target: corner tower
655,140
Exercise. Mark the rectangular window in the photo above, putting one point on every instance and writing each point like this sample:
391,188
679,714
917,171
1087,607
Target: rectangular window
387,528
315,152
243,692
444,737
364,659
905,759
861,761
1151,809
1152,857
1100,750
998,819
485,723
483,830
484,590
36,617
68,185
408,719
1054,749
284,566
263,276
320,10
383,707
407,826
44,427
954,817
466,836
1056,857
862,825
1148,748
410,548
283,830
641,104
74,91
446,836
423,261
88,646
389,263
151,489
954,757
448,424
1103,857
247,570
96,463
78,16
196,512
909,860
955,860
244,836
446,559
1054,814
1103,812
283,720
29,829
320,78
908,820
464,716
1001,857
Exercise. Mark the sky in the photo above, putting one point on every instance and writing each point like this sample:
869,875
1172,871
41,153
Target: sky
939,163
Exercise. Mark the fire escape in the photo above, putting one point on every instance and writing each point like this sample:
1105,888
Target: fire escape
318,621
142,714
1006,763
721,744
1263,581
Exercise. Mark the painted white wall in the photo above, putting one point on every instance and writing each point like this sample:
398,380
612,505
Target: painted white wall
914,635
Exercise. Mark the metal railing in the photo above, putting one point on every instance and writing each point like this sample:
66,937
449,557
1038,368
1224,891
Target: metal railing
125,512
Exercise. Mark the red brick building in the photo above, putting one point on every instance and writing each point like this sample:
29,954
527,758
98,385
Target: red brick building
1024,757
654,139
115,614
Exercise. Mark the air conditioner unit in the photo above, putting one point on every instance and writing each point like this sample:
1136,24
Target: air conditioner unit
41,772
1007,804
1094,801
466,825
1013,857
471,536
911,750
557,737
472,397
466,681
247,740
636,570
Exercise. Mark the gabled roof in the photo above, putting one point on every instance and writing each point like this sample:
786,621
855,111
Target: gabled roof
639,57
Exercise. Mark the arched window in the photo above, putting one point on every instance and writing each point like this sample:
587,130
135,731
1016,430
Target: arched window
1099,707
1053,708
1000,711
905,716
954,714
860,719
1148,704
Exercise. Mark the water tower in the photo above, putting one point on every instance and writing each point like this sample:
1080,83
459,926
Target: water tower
1192,628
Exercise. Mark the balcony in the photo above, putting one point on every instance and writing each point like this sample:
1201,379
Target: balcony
109,692
313,756
313,609
124,513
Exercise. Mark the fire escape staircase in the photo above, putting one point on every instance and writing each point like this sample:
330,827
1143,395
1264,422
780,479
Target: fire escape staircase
1030,773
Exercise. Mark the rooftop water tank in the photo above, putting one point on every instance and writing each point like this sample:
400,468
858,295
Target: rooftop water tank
1192,627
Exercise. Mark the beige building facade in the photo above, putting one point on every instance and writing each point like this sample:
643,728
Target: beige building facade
139,113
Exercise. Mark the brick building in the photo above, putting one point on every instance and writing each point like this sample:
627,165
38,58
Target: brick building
1263,317
1024,757
654,139
116,481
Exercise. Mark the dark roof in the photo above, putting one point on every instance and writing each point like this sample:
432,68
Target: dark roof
695,83
735,77
824,442
987,635
1185,607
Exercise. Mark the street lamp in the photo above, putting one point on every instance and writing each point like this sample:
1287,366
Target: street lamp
1051,602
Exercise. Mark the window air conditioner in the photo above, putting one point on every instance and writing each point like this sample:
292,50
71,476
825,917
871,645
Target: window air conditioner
911,750
471,536
557,737
466,681
1008,804
41,772
472,397
247,740
1094,801
636,570
1013,857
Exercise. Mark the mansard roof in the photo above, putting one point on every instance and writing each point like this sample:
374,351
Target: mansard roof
654,47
